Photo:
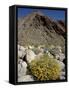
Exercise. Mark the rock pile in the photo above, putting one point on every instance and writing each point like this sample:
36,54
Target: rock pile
26,55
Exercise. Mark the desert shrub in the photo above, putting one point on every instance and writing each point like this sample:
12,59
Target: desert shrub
45,68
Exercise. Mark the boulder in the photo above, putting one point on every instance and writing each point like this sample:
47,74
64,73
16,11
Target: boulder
22,69
62,77
21,51
20,61
21,54
57,53
30,55
21,48
25,78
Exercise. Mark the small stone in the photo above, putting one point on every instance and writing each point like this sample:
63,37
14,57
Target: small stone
30,47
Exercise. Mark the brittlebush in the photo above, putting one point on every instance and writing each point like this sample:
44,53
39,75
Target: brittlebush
45,68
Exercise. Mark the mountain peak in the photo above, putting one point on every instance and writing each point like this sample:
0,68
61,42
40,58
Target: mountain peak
37,13
37,28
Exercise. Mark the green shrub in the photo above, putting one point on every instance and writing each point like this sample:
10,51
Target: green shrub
45,68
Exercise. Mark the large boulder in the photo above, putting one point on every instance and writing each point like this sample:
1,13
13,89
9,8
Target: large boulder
21,51
30,55
21,48
21,54
25,78
22,69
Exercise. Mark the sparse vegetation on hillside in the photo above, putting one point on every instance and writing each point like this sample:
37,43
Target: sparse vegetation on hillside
37,29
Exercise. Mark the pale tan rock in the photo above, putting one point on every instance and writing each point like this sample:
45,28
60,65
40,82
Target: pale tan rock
22,69
62,77
25,78
30,55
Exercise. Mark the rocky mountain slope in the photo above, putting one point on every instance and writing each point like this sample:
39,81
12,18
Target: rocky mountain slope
38,29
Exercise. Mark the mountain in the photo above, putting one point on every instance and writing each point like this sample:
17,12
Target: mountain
39,29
